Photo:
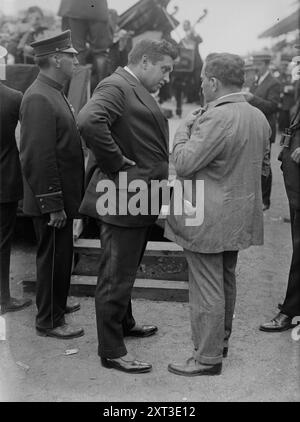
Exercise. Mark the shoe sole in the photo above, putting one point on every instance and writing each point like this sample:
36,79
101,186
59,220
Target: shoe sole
45,334
107,365
203,372
275,330
141,336
73,310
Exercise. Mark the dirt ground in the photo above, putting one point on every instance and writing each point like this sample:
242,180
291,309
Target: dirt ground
260,366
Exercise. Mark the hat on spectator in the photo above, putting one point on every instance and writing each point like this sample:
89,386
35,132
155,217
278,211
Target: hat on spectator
3,52
58,44
261,57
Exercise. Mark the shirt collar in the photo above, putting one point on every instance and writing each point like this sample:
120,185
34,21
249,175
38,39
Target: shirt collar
217,100
131,72
51,82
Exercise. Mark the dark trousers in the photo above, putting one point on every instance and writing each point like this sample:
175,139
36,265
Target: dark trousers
8,212
212,296
291,305
53,266
83,30
266,185
123,250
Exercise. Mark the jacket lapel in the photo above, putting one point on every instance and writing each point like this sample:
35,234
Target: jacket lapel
147,99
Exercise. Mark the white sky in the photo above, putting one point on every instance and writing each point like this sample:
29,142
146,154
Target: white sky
231,25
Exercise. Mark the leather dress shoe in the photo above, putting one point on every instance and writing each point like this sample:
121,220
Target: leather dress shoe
281,322
64,332
193,368
129,366
14,305
141,331
72,307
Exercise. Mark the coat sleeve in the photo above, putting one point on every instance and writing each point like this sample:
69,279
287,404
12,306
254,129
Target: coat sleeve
194,152
38,153
95,121
268,105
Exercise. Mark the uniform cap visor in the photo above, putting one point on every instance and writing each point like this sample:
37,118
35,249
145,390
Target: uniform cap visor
70,50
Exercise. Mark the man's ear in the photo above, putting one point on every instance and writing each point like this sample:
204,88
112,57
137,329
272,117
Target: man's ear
214,84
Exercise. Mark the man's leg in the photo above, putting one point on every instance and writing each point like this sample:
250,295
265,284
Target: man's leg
119,262
79,29
291,305
54,266
207,306
229,266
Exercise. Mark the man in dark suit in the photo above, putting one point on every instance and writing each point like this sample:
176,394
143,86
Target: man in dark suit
290,158
88,21
53,169
125,129
265,95
11,189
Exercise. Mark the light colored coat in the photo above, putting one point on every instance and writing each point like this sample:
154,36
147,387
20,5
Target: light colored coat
225,148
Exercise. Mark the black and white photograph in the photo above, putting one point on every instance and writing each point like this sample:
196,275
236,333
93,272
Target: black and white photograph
149,204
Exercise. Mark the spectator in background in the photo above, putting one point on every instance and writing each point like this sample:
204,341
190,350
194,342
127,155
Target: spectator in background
11,189
265,95
287,97
34,19
89,24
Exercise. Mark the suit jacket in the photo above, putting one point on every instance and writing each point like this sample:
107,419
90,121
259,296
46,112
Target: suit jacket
224,150
96,10
291,170
123,119
11,186
50,151
267,99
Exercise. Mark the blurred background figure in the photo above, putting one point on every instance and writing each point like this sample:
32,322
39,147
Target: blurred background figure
191,41
91,35
250,75
287,98
35,29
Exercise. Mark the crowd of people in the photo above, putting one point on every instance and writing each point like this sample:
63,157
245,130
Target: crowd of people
224,146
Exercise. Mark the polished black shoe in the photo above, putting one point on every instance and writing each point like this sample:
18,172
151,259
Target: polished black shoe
64,332
72,307
281,322
129,366
14,305
141,331
193,368
225,352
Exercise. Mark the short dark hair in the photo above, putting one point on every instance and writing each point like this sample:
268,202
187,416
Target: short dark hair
227,68
34,9
155,50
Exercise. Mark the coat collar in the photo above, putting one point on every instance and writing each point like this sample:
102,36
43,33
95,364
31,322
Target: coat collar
146,98
237,97
51,82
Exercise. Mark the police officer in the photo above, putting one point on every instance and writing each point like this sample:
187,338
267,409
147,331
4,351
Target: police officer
53,168
290,157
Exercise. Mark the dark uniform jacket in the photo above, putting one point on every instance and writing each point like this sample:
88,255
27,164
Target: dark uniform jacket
50,151
123,119
11,186
96,10
267,99
291,170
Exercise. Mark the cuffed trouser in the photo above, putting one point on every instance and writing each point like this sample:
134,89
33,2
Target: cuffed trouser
123,250
8,213
53,271
212,295
291,305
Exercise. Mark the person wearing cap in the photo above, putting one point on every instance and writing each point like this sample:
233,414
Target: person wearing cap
11,188
290,165
53,170
265,95
89,22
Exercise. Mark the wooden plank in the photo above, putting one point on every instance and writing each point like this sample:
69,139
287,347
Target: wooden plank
160,290
93,246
